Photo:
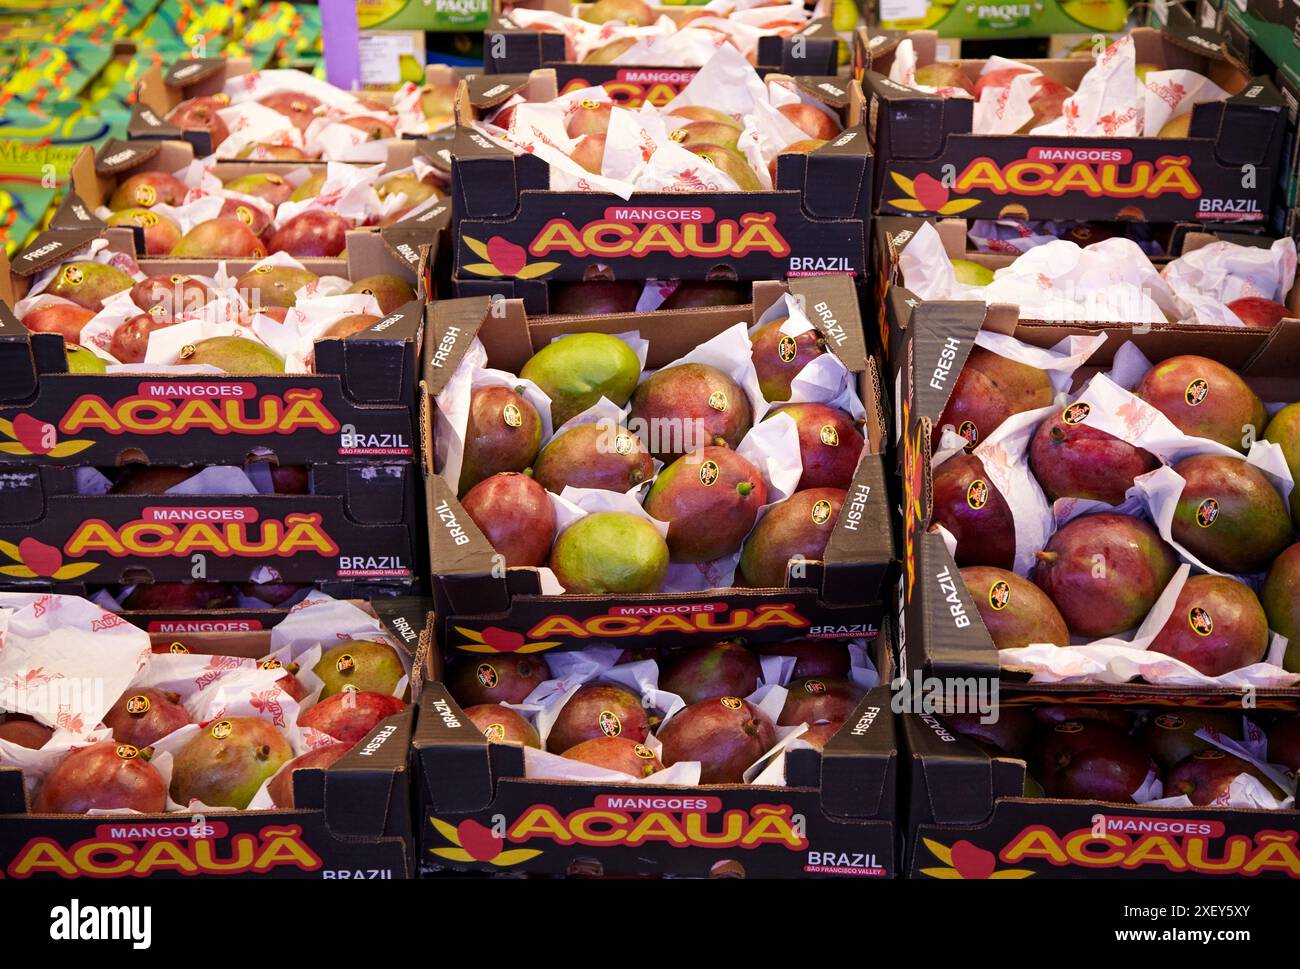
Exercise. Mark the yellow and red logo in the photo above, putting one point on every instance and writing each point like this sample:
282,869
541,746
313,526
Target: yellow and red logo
1053,172
177,407
125,848
617,820
29,436
628,232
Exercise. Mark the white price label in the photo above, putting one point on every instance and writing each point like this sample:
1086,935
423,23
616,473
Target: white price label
903,9
380,58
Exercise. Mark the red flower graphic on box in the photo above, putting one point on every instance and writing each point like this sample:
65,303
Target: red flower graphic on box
34,559
31,436
472,842
494,639
928,194
965,860
504,258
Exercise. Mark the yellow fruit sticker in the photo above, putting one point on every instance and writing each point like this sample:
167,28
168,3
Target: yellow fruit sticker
72,275
127,752
487,675
787,349
709,474
623,443
1170,721
1069,727
146,219
718,400
177,648
264,269
999,595
1196,392
271,664
512,415
821,511
345,663
244,214
1214,753
1207,512
829,436
814,687
222,729
678,135
731,702
495,732
146,195
138,704
969,430
977,494
644,752
1200,620
610,724
1076,413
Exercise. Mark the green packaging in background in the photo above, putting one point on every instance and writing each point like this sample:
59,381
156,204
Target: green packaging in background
984,20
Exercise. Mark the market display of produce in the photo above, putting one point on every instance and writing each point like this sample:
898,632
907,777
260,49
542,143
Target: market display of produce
670,447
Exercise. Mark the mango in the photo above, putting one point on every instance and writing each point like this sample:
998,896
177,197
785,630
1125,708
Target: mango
503,433
1204,398
598,710
1217,626
390,292
1229,516
989,389
714,670
725,735
1014,610
830,444
598,455
1284,431
575,371
680,409
610,553
967,504
778,357
1104,572
795,529
88,284
515,515
226,762
273,285
1280,596
710,499
233,354
1072,460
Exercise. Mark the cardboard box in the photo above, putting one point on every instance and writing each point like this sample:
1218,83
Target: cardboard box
834,817
1268,25
814,223
353,820
508,49
1288,192
997,21
359,405
929,162
939,628
162,89
96,175
359,521
839,598
968,818
1209,14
